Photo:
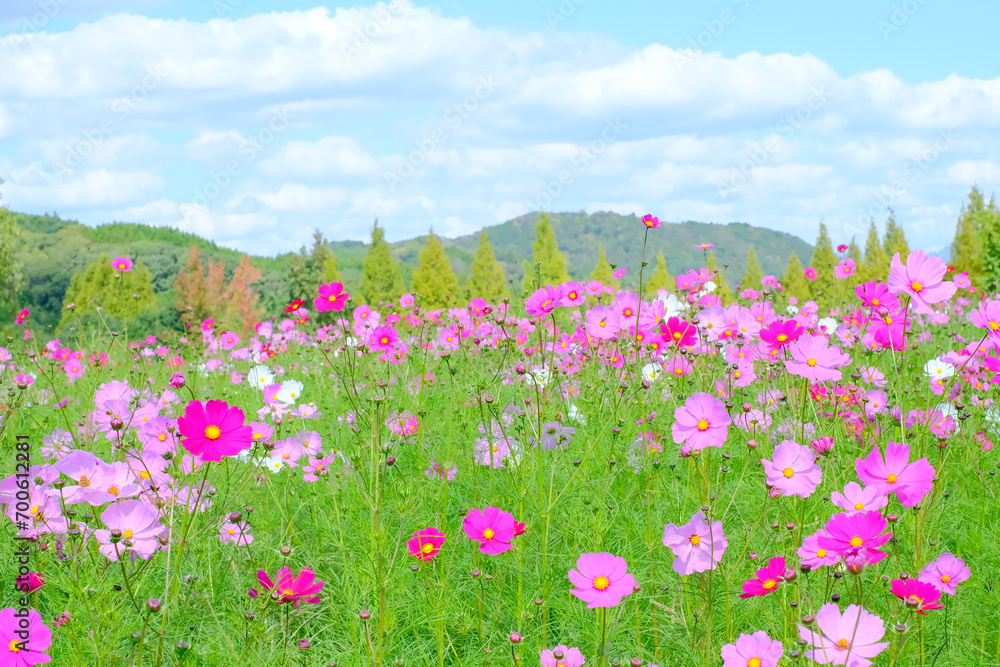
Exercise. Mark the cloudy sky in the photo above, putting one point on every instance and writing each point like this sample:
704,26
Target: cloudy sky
253,121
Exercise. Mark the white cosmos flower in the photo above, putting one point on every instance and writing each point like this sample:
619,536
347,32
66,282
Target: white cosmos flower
290,391
540,375
673,305
827,325
792,310
935,368
710,286
651,372
260,377
575,414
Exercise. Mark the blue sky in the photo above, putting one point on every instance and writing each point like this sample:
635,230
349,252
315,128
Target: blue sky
253,121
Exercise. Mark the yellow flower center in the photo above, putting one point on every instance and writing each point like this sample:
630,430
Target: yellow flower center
945,578
856,541
677,335
288,591
821,553
917,287
15,645
601,583
995,326
811,362
34,510
488,533
113,490
891,479
213,432
781,339
916,598
332,298
859,506
127,534
427,548
702,424
843,644
231,531
84,481
769,584
874,302
753,662
695,540
788,472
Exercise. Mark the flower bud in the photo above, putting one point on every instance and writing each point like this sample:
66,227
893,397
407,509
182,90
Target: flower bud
515,638
364,614
153,605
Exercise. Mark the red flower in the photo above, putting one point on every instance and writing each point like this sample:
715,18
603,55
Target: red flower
293,306
213,430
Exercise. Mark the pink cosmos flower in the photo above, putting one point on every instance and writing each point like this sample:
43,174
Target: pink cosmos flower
918,595
650,221
492,527
856,531
235,533
895,474
569,657
849,639
922,277
544,300
301,588
875,294
676,331
814,359
768,579
778,335
809,273
23,645
30,583
814,556
945,573
696,546
425,543
756,650
701,422
383,339
844,269
140,527
987,316
331,297
601,579
123,264
854,499
213,430
406,301
794,471
21,317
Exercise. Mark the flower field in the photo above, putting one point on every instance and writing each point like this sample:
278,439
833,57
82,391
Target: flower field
583,476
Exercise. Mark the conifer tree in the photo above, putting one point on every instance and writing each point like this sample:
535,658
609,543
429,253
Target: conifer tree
550,262
989,236
794,281
380,277
120,298
823,261
967,247
488,280
241,311
434,280
659,279
854,252
876,262
10,273
216,285
895,239
754,274
602,270
192,291
330,272
308,269
722,289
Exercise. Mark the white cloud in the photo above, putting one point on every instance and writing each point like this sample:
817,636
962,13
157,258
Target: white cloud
326,157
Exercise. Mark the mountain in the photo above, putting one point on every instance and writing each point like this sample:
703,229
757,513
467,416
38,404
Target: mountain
53,249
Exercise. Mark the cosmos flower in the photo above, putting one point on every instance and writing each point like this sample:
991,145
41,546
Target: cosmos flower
852,636
793,471
123,264
701,422
917,595
945,573
213,430
697,547
331,297
767,581
601,579
492,527
425,543
922,277
756,650
910,481
650,221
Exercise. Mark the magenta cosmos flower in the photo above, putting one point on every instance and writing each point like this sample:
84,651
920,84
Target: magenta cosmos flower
847,533
492,528
544,300
987,316
697,547
601,580
768,579
814,359
213,430
945,572
383,339
300,588
917,595
854,499
849,639
895,474
426,543
922,277
331,297
23,646
701,422
793,471
756,650
650,221
568,657
123,264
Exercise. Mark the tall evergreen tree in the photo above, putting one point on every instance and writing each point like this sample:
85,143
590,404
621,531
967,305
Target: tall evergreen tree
989,237
823,262
876,261
602,270
659,279
120,299
10,272
241,312
192,291
966,248
722,289
854,252
754,274
380,277
895,239
794,281
330,272
434,280
550,262
488,280
308,269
